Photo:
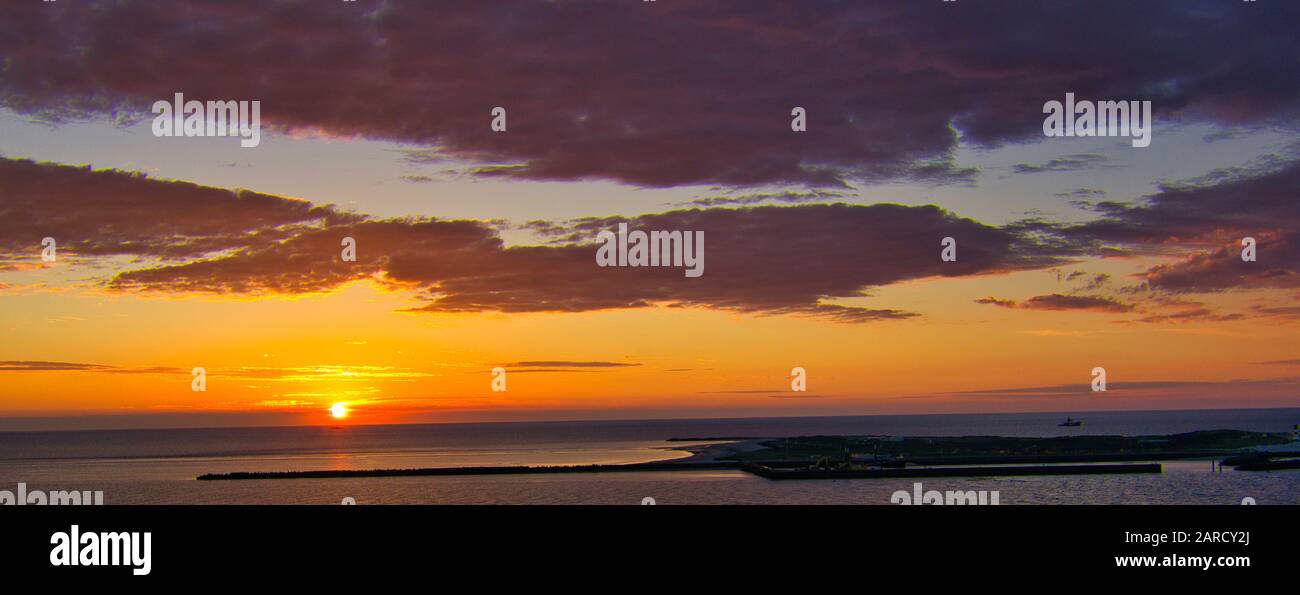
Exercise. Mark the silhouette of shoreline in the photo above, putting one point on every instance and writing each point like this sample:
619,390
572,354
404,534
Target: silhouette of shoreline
821,457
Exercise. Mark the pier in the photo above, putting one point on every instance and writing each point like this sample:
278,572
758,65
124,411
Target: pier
775,470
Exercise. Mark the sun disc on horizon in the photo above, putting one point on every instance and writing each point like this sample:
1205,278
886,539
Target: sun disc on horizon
338,411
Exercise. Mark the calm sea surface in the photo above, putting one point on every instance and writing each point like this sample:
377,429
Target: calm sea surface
159,466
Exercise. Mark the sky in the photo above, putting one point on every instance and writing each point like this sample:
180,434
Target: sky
476,248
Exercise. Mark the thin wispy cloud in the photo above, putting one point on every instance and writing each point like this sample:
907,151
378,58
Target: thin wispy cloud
1056,301
1081,162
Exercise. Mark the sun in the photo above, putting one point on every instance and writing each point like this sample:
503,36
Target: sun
338,411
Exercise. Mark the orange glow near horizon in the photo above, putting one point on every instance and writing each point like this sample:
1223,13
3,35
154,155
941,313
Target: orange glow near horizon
271,364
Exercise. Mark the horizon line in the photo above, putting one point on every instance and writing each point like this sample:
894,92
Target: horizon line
575,421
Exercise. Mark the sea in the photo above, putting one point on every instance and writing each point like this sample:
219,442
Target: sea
160,466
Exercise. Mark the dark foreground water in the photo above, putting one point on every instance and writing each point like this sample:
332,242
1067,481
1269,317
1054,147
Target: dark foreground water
159,466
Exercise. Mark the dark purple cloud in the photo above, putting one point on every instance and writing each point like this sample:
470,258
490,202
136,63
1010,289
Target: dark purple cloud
107,213
667,93
795,260
1206,219
311,261
765,260
1277,265
771,260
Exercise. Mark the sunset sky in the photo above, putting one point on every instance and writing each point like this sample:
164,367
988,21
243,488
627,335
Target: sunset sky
476,248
